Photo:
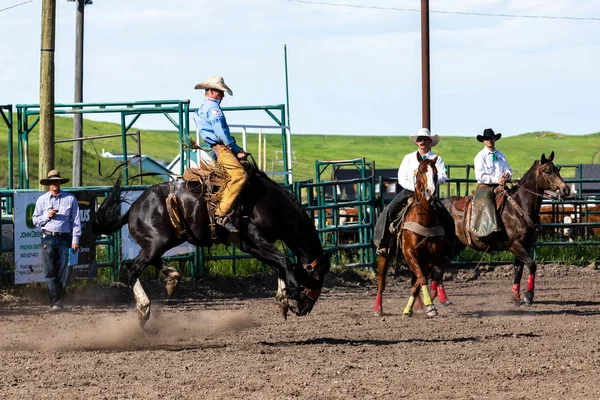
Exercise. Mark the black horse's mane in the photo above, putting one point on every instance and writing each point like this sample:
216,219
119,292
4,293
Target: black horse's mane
288,194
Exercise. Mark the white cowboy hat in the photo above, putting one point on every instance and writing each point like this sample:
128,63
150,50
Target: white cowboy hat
425,132
214,82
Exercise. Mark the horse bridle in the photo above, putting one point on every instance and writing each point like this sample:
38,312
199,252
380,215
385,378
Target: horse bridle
312,294
522,213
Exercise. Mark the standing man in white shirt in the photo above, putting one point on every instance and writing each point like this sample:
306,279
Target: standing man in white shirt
491,170
424,140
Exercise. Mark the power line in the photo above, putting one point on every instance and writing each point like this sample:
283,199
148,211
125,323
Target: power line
447,12
16,5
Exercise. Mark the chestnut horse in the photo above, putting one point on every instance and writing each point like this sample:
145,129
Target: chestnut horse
422,240
516,221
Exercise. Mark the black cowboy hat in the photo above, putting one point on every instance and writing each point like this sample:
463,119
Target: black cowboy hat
488,133
53,178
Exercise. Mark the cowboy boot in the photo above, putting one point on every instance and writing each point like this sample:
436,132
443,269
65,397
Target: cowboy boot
226,223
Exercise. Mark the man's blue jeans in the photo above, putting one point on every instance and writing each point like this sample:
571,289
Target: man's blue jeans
55,260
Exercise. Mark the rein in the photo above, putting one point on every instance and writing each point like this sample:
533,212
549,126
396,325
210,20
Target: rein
543,195
520,210
555,195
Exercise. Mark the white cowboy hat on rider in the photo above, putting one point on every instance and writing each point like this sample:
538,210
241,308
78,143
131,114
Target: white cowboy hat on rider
424,132
214,82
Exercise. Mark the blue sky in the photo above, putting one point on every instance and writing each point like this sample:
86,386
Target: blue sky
351,70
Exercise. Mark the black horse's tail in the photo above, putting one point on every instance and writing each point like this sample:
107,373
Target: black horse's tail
108,216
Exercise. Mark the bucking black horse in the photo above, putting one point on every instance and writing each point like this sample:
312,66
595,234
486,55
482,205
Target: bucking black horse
267,213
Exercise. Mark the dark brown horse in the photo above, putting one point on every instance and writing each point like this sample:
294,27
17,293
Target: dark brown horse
517,220
421,240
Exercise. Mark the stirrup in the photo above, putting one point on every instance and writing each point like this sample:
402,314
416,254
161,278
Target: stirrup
382,251
226,223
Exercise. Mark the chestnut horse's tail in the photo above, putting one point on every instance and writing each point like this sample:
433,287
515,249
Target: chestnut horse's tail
108,216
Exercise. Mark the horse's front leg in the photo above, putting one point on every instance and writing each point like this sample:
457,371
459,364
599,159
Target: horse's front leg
255,245
132,273
516,287
437,286
420,284
382,268
281,298
522,258
142,303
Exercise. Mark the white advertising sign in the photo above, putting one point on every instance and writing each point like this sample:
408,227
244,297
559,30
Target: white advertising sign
28,263
28,238
129,248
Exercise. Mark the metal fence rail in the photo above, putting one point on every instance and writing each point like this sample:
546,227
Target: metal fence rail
324,202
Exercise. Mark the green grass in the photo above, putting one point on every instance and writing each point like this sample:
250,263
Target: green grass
385,151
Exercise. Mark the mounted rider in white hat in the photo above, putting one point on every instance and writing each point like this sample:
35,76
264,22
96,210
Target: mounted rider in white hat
424,140
213,128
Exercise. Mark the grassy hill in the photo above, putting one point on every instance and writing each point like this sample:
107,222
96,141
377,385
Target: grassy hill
385,151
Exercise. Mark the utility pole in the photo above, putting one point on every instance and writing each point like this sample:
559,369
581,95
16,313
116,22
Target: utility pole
46,158
78,98
425,87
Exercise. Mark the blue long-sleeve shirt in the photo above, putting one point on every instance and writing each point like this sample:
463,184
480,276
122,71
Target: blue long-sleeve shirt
212,125
66,220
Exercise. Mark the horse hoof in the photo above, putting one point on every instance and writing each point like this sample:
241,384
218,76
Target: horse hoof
378,313
431,311
283,309
529,298
171,285
519,303
294,305
447,303
143,317
406,315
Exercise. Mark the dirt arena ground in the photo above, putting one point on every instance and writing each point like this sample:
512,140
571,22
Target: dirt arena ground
226,340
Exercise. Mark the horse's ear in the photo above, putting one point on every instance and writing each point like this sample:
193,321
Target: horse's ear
419,158
544,159
435,158
551,156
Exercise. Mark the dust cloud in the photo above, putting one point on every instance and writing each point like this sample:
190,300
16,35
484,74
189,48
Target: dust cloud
169,331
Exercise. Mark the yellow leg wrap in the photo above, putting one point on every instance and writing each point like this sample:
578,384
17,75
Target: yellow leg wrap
426,297
408,310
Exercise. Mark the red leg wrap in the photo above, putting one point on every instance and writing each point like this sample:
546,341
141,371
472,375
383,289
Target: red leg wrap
516,289
531,282
433,289
442,293
377,306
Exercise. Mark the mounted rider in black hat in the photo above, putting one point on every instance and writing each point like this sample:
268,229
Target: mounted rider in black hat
491,170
